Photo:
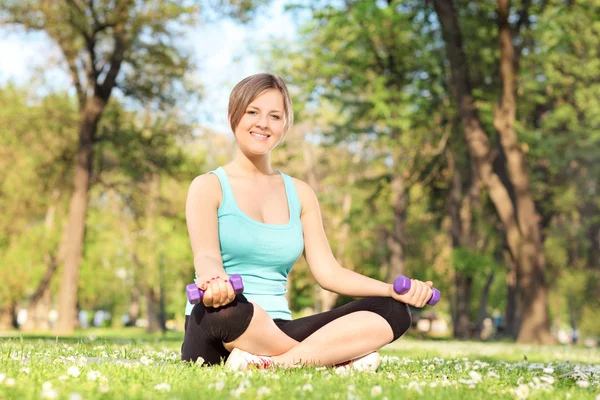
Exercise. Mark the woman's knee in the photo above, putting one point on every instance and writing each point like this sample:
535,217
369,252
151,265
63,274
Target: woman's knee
396,313
224,323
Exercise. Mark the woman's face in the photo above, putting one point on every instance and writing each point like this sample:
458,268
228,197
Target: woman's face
261,128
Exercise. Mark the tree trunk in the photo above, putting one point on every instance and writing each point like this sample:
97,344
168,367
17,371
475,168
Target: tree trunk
67,304
396,240
592,233
152,262
462,325
153,308
134,306
535,326
162,313
485,293
41,301
573,318
462,233
522,235
7,317
511,325
461,313
38,313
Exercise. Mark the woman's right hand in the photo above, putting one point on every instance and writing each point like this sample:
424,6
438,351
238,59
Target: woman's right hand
218,291
417,296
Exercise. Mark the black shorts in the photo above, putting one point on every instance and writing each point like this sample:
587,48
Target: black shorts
207,328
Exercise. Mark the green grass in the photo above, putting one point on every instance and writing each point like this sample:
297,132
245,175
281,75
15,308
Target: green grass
46,367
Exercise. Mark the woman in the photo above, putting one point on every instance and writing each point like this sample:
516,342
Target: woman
250,219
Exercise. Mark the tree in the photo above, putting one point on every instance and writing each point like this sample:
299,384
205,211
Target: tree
36,153
106,45
518,213
559,118
136,223
360,57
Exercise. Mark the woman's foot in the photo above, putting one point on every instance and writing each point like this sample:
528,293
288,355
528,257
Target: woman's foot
240,360
368,363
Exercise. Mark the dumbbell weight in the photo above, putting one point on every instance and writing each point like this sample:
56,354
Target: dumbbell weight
402,285
195,294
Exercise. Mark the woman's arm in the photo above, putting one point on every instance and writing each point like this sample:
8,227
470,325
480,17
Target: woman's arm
202,203
330,275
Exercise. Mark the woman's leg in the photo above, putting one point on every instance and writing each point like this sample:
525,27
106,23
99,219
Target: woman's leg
328,338
198,345
346,338
262,337
345,333
207,328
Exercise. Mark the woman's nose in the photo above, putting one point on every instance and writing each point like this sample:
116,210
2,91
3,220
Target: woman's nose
261,122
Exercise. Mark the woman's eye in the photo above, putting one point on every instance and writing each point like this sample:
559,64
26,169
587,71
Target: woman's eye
276,116
251,112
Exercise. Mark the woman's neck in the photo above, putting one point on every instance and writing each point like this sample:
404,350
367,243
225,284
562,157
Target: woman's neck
259,166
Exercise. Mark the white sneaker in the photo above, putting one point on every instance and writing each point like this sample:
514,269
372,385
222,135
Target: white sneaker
240,360
368,363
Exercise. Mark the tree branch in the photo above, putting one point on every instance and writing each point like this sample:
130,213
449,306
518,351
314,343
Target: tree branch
114,65
76,81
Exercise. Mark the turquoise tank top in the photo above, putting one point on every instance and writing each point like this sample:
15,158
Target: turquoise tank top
263,254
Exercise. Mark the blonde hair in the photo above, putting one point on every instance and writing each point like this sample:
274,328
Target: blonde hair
249,88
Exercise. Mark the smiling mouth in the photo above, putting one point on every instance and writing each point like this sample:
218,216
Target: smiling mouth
260,135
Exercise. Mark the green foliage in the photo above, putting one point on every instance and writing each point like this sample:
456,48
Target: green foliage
373,102
133,43
36,149
470,263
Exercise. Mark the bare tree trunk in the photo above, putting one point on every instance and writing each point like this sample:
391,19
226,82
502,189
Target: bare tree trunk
396,240
93,97
134,306
162,314
593,235
152,295
462,234
522,235
67,304
40,304
573,317
461,313
153,308
133,312
485,293
535,325
7,317
511,325
41,301
462,325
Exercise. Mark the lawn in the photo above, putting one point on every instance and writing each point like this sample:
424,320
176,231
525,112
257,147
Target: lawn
107,365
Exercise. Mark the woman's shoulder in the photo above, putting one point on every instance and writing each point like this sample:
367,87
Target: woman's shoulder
206,184
305,191
300,184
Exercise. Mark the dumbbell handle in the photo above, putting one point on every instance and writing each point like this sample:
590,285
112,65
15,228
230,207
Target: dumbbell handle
402,285
195,294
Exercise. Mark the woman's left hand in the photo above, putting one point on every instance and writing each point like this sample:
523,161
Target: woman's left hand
418,294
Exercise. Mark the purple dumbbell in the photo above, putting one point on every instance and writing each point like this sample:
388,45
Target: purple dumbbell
195,294
402,285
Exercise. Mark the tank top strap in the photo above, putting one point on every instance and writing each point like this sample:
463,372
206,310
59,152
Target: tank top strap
228,199
292,195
